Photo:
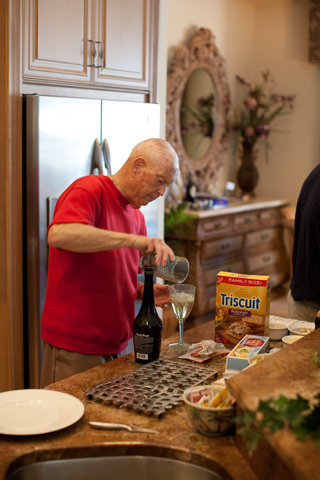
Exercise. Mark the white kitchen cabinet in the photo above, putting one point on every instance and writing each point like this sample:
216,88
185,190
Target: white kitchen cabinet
110,44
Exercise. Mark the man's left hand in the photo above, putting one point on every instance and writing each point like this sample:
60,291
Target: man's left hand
161,295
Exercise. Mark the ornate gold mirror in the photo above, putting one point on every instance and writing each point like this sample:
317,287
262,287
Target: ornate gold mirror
198,101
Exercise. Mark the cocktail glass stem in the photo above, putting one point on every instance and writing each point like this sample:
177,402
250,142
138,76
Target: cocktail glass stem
181,332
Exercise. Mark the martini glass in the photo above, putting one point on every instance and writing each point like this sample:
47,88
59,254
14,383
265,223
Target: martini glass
181,299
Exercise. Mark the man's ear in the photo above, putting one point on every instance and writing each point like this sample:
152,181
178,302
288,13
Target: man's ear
138,165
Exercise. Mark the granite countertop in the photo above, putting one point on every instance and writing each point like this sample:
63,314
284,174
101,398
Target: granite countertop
279,456
177,439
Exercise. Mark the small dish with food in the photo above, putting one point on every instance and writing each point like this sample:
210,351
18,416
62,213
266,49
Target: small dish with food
277,331
210,408
290,339
303,331
257,358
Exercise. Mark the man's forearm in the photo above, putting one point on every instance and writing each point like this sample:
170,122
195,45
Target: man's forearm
80,237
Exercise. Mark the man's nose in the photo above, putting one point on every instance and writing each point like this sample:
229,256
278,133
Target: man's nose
161,191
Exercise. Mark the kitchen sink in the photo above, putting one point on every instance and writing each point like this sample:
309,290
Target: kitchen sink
123,467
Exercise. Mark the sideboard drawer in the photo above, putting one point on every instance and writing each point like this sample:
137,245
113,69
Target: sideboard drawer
217,224
224,246
270,215
267,235
244,219
210,274
263,260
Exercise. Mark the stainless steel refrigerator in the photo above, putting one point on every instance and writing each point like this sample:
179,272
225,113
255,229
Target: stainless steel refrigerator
67,138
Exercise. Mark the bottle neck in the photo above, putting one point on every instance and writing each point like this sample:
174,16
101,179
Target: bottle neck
148,296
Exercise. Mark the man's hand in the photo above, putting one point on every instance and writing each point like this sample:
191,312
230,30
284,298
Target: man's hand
160,292
161,295
154,245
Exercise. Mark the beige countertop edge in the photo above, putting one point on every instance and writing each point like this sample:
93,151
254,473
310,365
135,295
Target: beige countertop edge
288,372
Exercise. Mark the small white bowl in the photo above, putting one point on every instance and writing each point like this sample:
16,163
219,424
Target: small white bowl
277,331
302,331
257,358
209,421
290,339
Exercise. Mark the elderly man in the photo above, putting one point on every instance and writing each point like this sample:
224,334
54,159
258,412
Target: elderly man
96,239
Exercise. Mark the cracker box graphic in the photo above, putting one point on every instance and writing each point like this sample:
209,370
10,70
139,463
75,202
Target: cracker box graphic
242,306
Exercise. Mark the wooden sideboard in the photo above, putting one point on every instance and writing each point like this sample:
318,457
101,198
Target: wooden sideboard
244,237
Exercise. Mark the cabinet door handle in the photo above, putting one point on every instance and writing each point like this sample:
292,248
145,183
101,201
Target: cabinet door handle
101,54
94,53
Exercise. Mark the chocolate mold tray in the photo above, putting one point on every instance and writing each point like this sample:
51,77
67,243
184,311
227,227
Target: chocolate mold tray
152,389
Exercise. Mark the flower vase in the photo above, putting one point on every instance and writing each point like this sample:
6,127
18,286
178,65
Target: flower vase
248,175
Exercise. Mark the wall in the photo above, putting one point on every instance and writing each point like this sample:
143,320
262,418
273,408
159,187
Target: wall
253,35
296,151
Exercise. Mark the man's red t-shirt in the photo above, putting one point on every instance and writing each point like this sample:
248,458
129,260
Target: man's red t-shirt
89,304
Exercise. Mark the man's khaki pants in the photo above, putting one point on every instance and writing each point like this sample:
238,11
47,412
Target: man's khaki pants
59,364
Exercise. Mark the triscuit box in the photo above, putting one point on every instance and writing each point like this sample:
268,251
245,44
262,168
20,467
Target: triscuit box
250,345
242,306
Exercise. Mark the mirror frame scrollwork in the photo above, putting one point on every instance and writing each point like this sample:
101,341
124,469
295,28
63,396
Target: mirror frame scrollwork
201,52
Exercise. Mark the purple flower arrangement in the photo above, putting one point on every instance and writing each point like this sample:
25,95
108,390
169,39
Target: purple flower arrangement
260,107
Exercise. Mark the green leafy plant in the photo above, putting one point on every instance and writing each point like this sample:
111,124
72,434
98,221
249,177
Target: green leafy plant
295,414
299,415
316,358
177,221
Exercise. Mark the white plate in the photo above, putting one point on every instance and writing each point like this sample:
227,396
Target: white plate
31,412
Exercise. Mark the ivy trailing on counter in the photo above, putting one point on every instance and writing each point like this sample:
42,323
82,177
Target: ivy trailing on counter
316,358
299,415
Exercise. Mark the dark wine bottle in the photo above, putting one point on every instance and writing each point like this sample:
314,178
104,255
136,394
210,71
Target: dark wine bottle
147,326
317,321
191,189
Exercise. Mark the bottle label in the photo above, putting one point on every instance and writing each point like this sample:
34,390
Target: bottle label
147,347
142,356
143,343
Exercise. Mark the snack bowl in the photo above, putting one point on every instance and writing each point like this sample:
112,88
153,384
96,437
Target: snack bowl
207,420
277,331
290,339
302,331
257,358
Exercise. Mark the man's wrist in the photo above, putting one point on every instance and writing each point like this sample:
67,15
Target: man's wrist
140,291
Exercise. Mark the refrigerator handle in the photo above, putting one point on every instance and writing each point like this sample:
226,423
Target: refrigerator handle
106,156
96,158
